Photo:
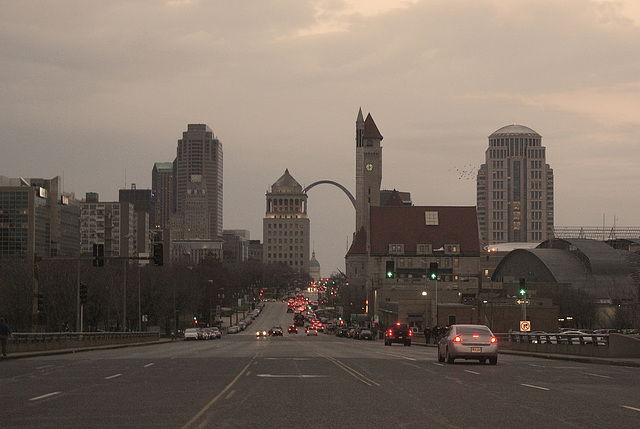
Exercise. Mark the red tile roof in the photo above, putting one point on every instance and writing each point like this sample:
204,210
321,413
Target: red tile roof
406,225
359,245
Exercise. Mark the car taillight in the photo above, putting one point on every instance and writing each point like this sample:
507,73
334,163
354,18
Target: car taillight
457,339
494,340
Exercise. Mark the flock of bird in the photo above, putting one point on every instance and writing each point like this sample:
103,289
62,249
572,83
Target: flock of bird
467,172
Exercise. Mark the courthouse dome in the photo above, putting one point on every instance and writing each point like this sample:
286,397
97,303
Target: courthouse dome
515,129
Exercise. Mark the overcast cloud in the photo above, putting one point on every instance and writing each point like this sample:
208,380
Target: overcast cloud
98,91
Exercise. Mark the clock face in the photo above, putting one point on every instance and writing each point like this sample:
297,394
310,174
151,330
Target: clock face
369,167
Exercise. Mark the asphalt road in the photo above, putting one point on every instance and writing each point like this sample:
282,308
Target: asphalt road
300,381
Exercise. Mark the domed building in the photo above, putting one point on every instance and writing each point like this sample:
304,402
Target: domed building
314,268
515,188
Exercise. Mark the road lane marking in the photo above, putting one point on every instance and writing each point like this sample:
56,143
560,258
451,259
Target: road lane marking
534,387
291,376
350,370
630,408
149,364
230,394
219,395
43,367
45,396
112,376
471,372
597,375
398,356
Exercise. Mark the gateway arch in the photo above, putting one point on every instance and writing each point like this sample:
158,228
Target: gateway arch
331,182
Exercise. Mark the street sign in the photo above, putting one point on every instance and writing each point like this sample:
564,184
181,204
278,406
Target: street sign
525,326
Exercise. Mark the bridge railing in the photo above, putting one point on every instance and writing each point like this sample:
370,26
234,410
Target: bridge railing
597,340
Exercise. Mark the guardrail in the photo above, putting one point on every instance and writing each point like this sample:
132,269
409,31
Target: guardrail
594,345
29,342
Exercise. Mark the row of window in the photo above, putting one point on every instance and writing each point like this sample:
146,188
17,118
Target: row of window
286,240
423,249
536,236
291,248
285,226
281,233
518,141
280,255
536,226
421,263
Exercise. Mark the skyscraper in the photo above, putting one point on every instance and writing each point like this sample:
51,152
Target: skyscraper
515,188
198,183
163,193
37,218
285,227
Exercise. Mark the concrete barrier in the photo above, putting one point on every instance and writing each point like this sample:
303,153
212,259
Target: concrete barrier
31,342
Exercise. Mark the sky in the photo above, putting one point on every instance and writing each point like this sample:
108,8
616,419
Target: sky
97,92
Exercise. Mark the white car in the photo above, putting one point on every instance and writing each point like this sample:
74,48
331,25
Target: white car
468,342
192,334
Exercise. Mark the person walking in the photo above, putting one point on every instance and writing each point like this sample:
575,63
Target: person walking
4,335
427,335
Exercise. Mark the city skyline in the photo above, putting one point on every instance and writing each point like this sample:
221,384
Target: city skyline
98,97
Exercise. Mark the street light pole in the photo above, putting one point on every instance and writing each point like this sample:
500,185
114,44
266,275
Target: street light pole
437,319
124,298
139,302
426,308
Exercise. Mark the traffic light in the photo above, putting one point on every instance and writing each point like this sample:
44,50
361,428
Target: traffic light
98,255
433,271
195,320
391,270
523,287
158,254
40,303
83,293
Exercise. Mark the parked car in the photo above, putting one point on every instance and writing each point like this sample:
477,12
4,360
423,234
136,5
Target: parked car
342,331
366,334
192,334
468,342
398,333
576,337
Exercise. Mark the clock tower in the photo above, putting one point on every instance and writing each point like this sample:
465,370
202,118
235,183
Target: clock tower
368,168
